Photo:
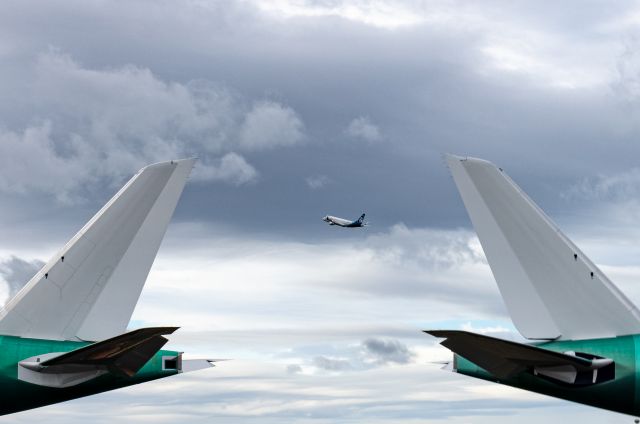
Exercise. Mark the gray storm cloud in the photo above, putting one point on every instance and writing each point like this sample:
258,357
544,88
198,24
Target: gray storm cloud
103,124
293,369
372,352
258,92
387,351
332,364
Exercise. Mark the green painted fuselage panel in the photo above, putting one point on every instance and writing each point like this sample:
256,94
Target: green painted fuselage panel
18,396
620,394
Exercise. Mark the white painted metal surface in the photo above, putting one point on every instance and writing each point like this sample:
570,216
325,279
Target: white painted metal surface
89,289
551,289
337,221
30,371
190,365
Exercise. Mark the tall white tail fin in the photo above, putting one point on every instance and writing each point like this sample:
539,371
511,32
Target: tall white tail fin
89,289
551,289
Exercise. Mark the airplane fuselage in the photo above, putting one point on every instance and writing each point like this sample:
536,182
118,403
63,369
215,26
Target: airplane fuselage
19,396
341,222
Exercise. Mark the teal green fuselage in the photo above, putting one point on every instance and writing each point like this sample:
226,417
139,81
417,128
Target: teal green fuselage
18,396
621,394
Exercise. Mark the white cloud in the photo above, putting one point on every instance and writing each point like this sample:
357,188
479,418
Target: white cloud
508,37
612,201
627,84
231,168
500,331
544,60
15,273
620,186
378,13
364,129
316,182
423,270
437,249
248,391
269,125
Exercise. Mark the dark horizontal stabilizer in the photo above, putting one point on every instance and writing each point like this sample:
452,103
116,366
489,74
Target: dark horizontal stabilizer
503,358
124,354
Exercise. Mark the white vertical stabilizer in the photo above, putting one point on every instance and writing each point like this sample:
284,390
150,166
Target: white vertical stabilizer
89,289
551,289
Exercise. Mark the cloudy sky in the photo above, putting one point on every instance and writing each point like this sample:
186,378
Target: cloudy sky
297,109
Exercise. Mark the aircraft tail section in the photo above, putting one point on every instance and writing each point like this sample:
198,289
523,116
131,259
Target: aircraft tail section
361,219
505,359
551,289
89,289
123,355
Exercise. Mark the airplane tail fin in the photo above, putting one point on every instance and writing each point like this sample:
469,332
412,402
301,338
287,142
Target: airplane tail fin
89,289
361,219
551,289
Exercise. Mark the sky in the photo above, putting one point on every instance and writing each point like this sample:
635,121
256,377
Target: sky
297,109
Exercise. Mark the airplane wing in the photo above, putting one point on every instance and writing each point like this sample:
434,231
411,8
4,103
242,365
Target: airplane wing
89,289
505,359
551,289
124,354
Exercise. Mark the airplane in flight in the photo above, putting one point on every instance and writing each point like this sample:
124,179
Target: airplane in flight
341,222
64,335
584,331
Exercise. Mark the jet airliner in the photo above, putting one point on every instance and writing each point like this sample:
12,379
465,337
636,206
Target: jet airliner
341,222
584,332
64,335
